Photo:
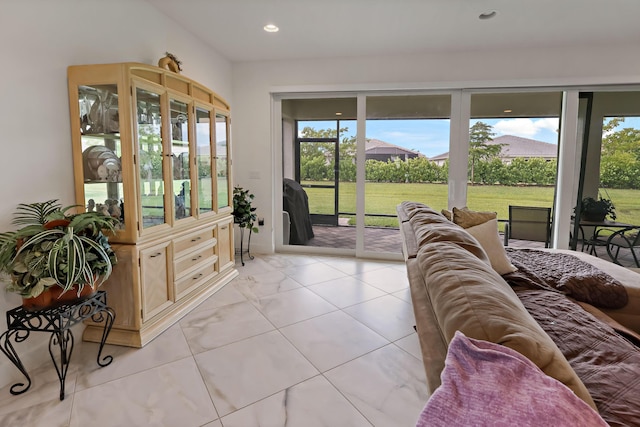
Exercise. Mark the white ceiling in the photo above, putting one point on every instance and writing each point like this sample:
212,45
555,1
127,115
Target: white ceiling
339,28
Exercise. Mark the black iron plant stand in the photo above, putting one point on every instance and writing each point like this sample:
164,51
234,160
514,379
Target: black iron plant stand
58,321
248,245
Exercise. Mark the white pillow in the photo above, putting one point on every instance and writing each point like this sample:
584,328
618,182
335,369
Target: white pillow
487,235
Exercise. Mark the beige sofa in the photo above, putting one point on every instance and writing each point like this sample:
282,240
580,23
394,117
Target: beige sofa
453,287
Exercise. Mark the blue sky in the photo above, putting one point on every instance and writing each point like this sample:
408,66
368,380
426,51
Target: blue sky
431,137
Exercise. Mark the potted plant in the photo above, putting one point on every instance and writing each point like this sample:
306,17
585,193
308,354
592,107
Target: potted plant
243,213
55,249
597,210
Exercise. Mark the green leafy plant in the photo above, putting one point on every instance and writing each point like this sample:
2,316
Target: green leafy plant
597,209
243,213
55,247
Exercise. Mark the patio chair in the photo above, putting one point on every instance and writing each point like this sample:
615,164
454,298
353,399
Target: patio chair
628,238
528,223
598,239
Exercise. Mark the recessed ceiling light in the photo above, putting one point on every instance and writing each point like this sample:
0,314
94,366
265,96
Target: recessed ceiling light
488,15
270,28
338,113
507,111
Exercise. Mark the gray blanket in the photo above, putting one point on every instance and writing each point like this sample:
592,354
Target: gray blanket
566,274
606,362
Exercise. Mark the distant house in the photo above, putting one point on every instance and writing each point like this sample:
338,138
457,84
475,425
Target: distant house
383,151
513,147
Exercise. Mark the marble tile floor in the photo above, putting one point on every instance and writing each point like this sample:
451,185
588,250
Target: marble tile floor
295,340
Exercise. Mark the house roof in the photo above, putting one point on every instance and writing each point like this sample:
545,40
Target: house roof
516,146
443,156
376,146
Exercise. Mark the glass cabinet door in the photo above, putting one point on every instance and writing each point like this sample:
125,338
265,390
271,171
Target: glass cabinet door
222,159
101,150
180,159
203,156
150,155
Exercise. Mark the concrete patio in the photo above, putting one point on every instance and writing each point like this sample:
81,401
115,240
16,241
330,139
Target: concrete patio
379,239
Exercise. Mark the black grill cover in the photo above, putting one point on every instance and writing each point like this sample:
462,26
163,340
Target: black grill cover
296,202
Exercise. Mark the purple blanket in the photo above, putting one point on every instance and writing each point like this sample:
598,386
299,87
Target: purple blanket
487,384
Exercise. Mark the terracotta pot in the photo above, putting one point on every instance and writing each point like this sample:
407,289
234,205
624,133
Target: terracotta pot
57,223
53,297
42,301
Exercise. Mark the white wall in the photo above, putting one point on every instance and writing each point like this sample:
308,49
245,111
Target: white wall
39,40
253,82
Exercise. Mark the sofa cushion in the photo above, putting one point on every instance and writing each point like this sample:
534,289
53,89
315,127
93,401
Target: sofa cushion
411,209
466,218
430,226
490,382
487,235
467,295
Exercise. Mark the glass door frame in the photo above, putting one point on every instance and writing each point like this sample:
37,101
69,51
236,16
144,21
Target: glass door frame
588,128
228,205
193,209
209,210
324,219
165,136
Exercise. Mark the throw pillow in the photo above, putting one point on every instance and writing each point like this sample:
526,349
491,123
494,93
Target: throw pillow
487,384
487,235
466,218
447,214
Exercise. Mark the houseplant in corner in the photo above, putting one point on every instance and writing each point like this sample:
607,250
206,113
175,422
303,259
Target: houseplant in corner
55,251
243,213
597,210
245,216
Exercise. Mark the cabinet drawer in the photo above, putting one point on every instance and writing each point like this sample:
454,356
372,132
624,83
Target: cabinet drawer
193,258
191,240
195,278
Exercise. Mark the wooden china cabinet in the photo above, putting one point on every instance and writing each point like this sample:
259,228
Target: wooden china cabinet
151,147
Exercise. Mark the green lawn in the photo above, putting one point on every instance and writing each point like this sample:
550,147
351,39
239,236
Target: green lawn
382,198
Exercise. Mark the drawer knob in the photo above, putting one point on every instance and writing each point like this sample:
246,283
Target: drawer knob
155,255
196,239
196,258
224,227
198,276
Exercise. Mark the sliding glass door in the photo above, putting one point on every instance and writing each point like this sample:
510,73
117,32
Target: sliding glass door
610,162
317,173
513,150
318,168
356,157
405,138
